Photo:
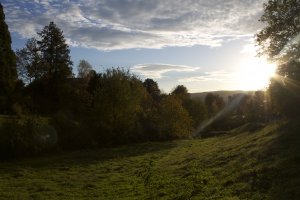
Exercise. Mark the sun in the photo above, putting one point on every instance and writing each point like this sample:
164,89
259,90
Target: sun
255,74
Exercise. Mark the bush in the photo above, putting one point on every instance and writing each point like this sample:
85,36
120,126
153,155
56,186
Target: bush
26,137
71,134
116,107
171,120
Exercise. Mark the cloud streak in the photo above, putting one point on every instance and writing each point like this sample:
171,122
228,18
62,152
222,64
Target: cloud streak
222,76
157,71
126,24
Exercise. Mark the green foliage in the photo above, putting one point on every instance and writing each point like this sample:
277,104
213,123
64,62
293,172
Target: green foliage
8,74
116,105
181,92
152,88
196,110
70,132
279,40
171,120
214,104
45,65
47,57
285,98
26,137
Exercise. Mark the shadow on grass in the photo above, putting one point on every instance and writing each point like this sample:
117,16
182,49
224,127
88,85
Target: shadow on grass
89,156
283,179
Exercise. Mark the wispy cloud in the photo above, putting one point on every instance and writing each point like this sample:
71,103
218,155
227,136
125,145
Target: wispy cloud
158,70
222,76
123,24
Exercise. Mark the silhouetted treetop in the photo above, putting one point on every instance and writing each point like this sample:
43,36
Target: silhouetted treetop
280,41
54,51
152,88
181,92
8,72
280,38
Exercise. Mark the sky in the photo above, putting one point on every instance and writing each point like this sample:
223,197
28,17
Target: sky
206,45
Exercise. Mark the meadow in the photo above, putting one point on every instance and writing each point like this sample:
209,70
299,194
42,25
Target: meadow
244,164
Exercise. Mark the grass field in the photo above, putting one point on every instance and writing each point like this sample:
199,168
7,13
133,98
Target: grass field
262,164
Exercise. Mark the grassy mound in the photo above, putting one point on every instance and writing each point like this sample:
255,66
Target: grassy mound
261,164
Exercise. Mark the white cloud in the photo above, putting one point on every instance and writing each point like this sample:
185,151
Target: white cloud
221,76
158,70
121,24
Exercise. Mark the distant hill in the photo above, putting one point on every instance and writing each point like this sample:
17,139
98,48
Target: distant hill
223,93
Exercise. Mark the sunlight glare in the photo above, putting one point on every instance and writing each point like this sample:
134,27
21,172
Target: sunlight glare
255,74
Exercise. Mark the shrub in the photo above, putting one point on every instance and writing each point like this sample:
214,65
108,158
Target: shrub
26,136
70,133
171,120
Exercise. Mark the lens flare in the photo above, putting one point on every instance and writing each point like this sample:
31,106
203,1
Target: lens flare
255,74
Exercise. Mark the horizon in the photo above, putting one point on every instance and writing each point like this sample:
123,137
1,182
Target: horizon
203,45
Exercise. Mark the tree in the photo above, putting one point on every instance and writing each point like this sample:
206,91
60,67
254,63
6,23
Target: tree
84,69
116,105
171,120
29,62
181,92
8,73
280,41
46,57
45,63
152,88
214,103
55,52
196,110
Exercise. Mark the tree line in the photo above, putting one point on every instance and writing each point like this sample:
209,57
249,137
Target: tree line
44,107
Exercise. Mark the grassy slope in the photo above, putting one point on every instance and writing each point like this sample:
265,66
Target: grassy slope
258,165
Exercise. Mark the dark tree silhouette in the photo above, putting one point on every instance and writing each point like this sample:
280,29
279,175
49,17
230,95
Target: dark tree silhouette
152,88
29,62
46,64
214,103
181,92
8,73
280,41
54,51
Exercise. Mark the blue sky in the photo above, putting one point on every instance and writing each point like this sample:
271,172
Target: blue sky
198,43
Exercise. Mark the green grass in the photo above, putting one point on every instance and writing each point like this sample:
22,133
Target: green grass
264,164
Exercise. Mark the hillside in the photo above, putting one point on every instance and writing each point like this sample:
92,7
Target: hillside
242,165
224,94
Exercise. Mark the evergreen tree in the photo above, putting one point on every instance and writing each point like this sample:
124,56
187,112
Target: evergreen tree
55,52
45,63
8,74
